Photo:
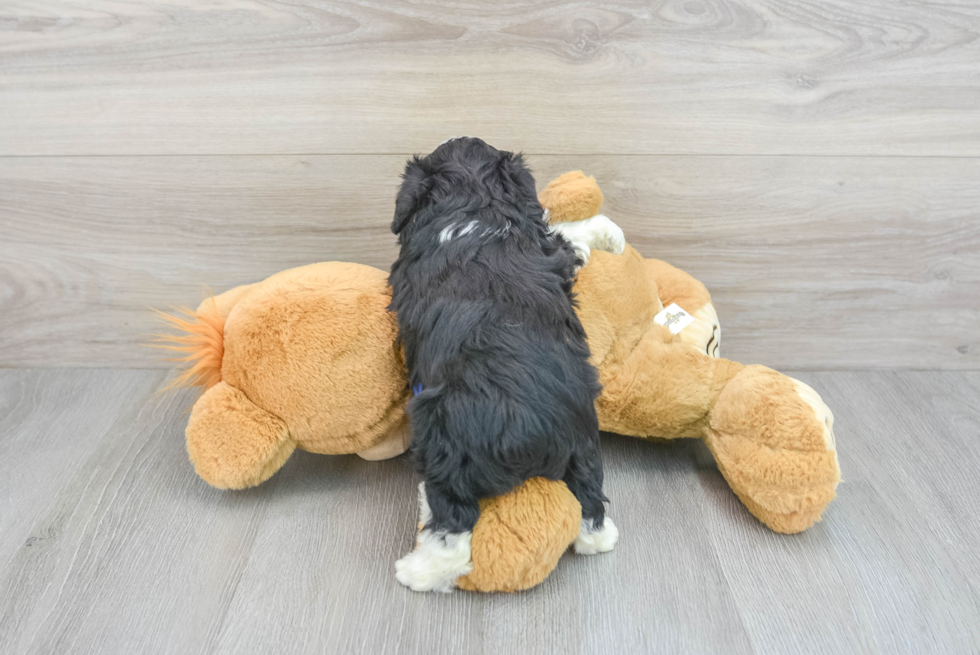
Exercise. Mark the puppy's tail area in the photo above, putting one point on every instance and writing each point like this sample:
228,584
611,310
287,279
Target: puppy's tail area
199,344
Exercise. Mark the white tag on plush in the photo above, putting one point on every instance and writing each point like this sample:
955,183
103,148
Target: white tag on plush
674,318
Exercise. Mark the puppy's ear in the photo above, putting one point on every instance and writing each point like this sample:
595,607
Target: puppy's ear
415,186
515,168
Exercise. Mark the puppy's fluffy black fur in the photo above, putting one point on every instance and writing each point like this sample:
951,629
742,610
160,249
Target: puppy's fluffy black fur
482,289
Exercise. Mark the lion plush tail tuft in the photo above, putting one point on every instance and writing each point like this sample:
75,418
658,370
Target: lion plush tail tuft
201,342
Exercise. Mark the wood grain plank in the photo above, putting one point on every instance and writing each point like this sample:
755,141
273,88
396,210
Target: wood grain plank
51,422
365,76
124,235
135,553
820,262
47,421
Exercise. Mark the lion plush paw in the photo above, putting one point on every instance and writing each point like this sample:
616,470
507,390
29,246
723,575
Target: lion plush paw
596,233
232,442
772,437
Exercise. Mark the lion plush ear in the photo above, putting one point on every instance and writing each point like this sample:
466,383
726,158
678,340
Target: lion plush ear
415,187
571,197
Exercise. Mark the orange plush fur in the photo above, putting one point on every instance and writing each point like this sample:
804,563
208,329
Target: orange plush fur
571,197
521,535
308,360
202,344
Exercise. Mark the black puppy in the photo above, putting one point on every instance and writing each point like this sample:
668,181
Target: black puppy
496,355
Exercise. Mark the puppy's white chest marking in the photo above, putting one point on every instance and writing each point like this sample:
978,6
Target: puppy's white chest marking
451,232
466,230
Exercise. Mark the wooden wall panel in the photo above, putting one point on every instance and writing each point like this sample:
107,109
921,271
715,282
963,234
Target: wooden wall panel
814,262
632,77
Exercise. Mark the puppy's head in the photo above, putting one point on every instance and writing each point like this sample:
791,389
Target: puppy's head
462,172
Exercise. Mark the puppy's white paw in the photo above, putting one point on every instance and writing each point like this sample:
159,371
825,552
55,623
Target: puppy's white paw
591,541
425,514
436,563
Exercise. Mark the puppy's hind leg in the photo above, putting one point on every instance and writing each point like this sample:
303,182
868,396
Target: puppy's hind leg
598,533
442,550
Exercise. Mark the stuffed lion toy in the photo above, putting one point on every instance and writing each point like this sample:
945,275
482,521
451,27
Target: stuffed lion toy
309,359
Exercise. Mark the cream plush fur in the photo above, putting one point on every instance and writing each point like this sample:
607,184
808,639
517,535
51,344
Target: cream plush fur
307,359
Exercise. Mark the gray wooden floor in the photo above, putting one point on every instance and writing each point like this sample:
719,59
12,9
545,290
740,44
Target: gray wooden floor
110,543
